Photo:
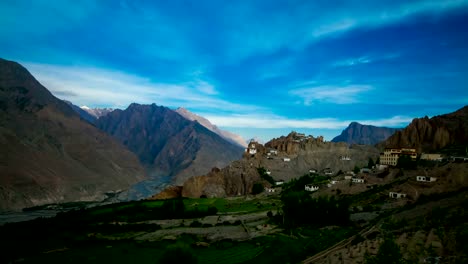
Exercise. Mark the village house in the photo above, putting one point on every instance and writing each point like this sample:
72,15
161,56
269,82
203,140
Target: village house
381,167
270,190
345,158
348,177
357,180
390,155
313,171
273,151
431,156
426,179
280,182
268,172
328,171
331,183
396,195
286,159
311,187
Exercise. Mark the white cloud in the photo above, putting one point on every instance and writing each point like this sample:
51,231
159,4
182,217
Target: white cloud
273,121
330,94
102,87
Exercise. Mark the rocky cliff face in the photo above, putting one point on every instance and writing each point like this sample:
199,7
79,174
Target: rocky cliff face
236,179
167,143
357,133
48,153
431,134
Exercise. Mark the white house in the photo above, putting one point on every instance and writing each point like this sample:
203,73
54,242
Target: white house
280,182
357,180
327,171
286,159
269,190
273,151
331,183
426,179
311,187
381,167
348,177
252,149
312,171
396,195
345,158
268,172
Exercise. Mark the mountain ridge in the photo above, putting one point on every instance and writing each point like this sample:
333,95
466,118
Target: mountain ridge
357,133
167,143
49,154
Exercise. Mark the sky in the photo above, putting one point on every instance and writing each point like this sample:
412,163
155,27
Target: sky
256,68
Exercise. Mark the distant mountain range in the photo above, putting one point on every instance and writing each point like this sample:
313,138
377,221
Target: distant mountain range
96,112
432,134
357,133
167,143
231,137
49,154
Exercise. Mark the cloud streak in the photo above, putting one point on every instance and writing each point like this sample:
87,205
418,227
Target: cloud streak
330,94
102,87
274,121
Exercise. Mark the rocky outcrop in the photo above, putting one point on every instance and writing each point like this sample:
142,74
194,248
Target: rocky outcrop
235,179
431,134
167,143
168,193
357,133
48,154
231,137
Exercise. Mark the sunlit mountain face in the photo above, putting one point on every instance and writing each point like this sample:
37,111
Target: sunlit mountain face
256,68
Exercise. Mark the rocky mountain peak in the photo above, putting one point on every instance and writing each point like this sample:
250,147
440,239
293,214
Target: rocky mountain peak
357,133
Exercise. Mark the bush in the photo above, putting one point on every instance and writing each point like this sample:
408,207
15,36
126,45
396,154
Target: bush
257,188
178,254
195,224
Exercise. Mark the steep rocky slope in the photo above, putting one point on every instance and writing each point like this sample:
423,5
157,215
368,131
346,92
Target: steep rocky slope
48,153
231,137
167,143
431,134
357,133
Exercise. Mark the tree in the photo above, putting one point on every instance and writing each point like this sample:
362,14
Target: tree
178,253
257,188
405,162
356,169
389,253
371,163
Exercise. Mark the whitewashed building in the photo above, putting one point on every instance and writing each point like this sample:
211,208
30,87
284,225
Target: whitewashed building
426,179
396,195
357,180
311,187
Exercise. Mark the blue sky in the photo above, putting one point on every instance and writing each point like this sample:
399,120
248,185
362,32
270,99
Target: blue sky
257,68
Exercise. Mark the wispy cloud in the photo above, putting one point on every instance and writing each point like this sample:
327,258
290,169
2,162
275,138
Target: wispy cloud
330,94
102,87
365,59
274,121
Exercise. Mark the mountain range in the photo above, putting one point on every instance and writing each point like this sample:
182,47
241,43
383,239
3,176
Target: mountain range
167,143
357,133
49,154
